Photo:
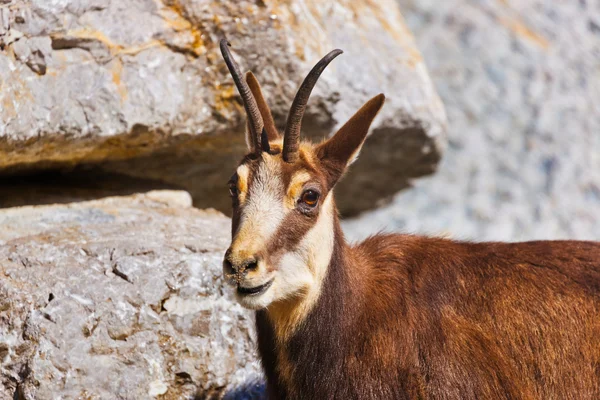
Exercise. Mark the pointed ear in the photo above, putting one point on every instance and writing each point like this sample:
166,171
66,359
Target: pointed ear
342,148
264,109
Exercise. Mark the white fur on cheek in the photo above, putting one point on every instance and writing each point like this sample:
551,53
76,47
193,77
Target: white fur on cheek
303,270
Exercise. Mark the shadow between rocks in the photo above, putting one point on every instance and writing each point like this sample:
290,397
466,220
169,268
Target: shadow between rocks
60,186
202,165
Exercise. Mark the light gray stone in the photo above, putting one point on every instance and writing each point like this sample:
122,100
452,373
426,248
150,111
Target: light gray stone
119,298
521,83
139,88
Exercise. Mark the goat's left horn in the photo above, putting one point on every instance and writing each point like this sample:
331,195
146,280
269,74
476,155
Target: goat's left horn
255,121
291,138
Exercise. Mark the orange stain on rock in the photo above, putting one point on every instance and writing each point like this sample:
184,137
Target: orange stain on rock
523,31
116,70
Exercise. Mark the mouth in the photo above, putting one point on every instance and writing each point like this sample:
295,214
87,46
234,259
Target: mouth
244,291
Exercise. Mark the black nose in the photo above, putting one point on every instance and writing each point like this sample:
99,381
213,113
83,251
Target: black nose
233,265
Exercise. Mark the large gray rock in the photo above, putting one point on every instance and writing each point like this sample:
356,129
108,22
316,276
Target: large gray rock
119,298
139,87
521,84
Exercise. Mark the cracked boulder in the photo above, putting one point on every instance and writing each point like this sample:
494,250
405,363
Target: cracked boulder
139,88
119,298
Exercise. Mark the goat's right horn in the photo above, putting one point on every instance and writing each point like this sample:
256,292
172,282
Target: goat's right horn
291,138
255,121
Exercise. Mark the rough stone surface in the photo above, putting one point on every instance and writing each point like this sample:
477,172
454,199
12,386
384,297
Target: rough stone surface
521,83
119,298
139,87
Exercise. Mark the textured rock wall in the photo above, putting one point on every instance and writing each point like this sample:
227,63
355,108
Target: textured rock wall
139,87
119,298
521,83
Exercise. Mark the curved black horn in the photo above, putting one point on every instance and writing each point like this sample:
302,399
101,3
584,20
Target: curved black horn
291,139
255,121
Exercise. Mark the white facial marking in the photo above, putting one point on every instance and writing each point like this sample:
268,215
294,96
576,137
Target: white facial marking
242,173
263,211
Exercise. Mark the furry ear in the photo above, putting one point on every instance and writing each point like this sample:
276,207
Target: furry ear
342,148
264,109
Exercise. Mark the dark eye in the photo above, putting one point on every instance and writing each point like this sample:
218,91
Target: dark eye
310,198
233,190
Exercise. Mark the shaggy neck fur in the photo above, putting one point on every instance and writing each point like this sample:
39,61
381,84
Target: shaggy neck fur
316,250
285,329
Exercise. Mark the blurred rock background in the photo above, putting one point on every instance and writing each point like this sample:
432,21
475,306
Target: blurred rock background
520,80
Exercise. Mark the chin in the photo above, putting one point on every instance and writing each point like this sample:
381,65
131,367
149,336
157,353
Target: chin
253,302
256,301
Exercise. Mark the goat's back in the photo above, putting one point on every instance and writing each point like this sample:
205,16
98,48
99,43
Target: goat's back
485,320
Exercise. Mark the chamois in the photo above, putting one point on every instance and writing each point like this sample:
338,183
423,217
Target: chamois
396,316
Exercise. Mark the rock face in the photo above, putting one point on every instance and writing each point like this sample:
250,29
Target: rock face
139,88
119,298
521,85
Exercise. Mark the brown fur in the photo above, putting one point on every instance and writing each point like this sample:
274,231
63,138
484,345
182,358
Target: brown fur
410,317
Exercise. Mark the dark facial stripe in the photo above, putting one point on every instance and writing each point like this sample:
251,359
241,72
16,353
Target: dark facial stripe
289,234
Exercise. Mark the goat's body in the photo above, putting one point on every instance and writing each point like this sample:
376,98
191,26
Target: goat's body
396,317
407,317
